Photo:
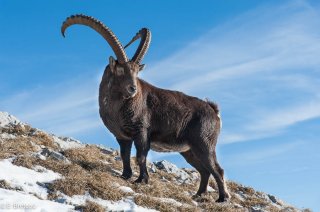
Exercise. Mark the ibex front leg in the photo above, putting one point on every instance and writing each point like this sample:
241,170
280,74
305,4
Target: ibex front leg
125,150
142,146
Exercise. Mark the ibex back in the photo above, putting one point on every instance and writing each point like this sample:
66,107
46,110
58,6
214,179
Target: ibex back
153,118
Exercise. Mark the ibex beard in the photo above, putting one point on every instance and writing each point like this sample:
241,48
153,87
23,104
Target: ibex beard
139,113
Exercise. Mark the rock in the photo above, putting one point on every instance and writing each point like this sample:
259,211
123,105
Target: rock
67,142
117,158
116,172
238,196
53,154
163,179
168,167
266,197
242,195
236,205
210,189
107,150
257,209
263,196
273,199
18,188
45,185
153,168
195,176
39,156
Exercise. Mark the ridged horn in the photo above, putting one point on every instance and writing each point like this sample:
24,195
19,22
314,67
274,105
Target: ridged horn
99,27
145,36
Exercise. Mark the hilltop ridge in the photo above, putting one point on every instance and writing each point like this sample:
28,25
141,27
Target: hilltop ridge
45,172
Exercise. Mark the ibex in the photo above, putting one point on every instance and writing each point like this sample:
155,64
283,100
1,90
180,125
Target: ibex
166,121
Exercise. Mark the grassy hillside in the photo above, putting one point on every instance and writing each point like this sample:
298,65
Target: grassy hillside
87,178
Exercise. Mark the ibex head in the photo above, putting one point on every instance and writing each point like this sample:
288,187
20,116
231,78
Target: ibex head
121,74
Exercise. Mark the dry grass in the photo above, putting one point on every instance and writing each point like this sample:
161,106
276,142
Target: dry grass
220,208
25,161
235,187
89,158
4,184
60,167
44,139
98,184
91,207
80,177
18,130
160,189
77,180
254,201
158,204
17,146
91,171
27,140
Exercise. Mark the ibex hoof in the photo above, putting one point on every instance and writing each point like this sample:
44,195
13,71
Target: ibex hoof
126,175
224,199
141,180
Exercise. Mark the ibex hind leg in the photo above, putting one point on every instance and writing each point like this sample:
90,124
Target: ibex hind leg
209,161
217,165
204,173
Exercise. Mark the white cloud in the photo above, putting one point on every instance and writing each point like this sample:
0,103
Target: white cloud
262,154
263,68
288,116
66,108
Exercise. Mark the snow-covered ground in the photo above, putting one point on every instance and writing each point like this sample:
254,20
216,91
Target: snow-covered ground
26,179
28,190
126,204
18,201
29,195
6,119
23,189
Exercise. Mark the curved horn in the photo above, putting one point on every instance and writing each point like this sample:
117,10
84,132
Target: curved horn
145,36
103,30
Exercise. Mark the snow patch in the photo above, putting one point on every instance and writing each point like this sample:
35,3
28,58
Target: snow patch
8,120
26,179
7,136
15,201
126,189
126,204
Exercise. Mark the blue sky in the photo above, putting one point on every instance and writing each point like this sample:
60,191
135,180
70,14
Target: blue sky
259,60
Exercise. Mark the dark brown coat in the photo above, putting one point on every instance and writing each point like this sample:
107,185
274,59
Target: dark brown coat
153,118
161,120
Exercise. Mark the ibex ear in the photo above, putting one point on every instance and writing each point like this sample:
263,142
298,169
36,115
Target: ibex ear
141,67
112,63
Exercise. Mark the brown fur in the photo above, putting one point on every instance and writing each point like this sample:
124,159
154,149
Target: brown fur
149,117
163,120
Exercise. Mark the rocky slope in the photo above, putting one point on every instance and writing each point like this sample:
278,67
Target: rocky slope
45,172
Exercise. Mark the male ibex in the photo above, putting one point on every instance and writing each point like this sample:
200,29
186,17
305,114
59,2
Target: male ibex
150,117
